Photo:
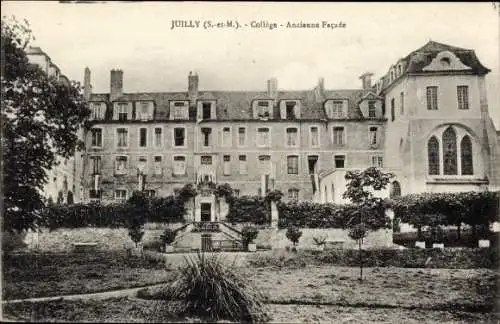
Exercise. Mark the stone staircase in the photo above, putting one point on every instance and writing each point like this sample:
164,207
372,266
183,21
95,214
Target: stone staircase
208,236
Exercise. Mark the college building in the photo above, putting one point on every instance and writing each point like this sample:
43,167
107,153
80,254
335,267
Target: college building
426,121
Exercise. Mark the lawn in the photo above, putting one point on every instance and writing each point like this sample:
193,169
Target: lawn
50,274
295,293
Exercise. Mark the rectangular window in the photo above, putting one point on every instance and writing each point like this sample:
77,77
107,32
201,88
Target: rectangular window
96,137
122,111
180,110
122,134
293,194
206,159
179,136
463,97
372,111
393,110
293,164
243,164
314,136
158,136
95,164
263,138
402,102
206,110
432,99
143,138
291,136
150,193
242,136
373,135
290,109
338,136
144,111
226,137
158,170
378,161
227,165
121,165
339,161
120,195
263,108
312,164
97,110
265,164
206,131
338,109
179,165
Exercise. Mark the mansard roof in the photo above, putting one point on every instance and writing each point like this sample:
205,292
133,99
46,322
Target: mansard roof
237,105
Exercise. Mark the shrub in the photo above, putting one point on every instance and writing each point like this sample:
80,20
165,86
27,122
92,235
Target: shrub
249,233
293,233
319,240
168,236
249,209
208,288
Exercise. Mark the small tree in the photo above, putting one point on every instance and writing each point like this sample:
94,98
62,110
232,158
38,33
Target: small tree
293,233
370,214
137,215
249,233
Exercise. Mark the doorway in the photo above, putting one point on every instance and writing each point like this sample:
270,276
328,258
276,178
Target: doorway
206,212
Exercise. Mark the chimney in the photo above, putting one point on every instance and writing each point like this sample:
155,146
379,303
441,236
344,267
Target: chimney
366,80
272,88
193,86
87,87
319,90
116,87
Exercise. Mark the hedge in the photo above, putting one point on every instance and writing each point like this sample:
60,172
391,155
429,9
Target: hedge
408,258
432,209
249,209
315,215
168,209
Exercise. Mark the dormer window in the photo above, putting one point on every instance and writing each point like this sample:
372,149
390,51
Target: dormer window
338,109
97,110
179,109
143,110
263,107
122,111
445,61
206,110
372,111
290,109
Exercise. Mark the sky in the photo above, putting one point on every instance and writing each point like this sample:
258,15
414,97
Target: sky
137,38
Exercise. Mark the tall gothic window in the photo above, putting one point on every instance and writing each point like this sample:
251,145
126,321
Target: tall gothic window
450,151
395,189
433,155
466,155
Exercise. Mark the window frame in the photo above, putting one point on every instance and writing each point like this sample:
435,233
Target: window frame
293,167
118,140
93,164
240,162
120,190
268,136
92,137
185,136
127,164
229,144
155,142
245,144
374,110
139,130
433,103
120,105
293,190
378,159
463,103
297,136
226,163
174,165
370,141
311,136
154,165
335,160
344,135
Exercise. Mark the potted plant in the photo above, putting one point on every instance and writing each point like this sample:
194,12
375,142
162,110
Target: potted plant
167,238
319,242
437,235
293,233
249,234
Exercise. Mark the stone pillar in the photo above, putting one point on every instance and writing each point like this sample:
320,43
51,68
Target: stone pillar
274,215
388,232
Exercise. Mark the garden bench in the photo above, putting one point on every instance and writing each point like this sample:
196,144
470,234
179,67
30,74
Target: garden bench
85,247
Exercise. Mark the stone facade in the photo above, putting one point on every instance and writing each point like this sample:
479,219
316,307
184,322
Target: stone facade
63,179
162,141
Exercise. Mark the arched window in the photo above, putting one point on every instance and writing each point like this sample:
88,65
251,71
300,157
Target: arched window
333,193
466,155
395,189
450,151
433,155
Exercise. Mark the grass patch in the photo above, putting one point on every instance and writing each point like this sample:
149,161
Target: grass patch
49,274
211,289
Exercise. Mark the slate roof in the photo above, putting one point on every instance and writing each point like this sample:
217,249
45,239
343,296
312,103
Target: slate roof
420,58
237,105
